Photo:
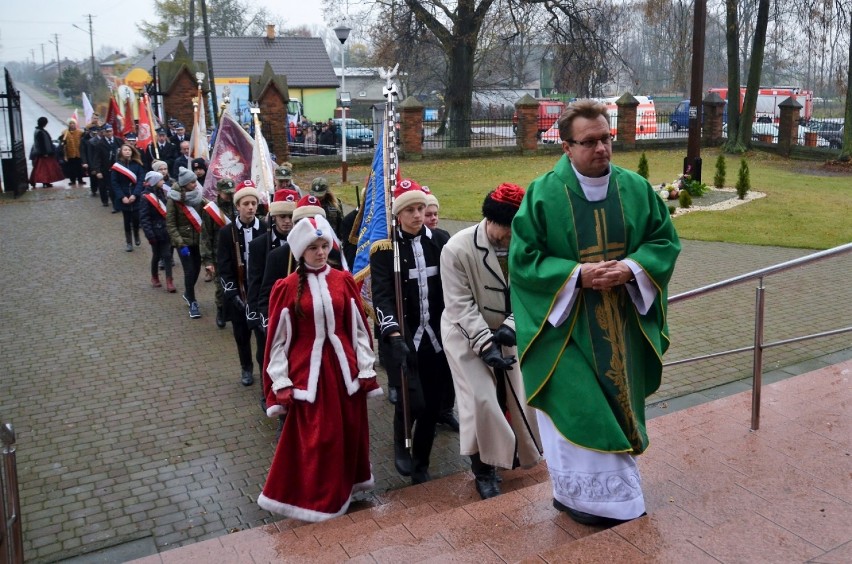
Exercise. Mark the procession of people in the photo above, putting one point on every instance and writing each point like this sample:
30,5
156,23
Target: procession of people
545,336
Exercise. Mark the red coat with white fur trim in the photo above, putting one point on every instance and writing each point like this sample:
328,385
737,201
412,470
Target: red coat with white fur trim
326,356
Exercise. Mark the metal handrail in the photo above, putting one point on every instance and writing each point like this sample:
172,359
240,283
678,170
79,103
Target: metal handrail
759,346
11,534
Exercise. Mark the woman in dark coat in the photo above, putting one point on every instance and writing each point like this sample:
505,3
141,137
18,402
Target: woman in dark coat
46,167
152,216
126,179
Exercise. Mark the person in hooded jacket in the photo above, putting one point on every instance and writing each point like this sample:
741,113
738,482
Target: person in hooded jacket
218,215
183,221
126,178
152,216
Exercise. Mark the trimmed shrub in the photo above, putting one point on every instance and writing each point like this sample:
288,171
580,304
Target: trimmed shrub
721,171
743,180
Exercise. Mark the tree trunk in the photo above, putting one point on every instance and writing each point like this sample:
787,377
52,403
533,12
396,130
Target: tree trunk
755,66
459,44
846,152
732,37
459,98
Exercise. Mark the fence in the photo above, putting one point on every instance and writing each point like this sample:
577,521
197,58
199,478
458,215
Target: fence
793,311
361,135
11,537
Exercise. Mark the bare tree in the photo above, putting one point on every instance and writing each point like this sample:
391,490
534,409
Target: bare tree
754,72
732,35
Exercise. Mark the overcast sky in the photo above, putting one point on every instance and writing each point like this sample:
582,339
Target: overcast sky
27,24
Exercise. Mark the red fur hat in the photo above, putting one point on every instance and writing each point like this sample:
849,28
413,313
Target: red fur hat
408,193
308,206
283,202
246,188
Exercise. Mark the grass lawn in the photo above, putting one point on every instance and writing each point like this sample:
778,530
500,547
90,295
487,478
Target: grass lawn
804,207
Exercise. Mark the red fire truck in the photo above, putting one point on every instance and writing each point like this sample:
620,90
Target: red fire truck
768,98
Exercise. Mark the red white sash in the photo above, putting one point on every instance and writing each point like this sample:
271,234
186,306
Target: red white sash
123,170
191,215
155,201
221,219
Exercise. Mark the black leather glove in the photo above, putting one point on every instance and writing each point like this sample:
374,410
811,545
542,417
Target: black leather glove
492,357
239,304
399,350
504,335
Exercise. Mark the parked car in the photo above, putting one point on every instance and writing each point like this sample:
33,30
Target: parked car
760,129
548,113
357,134
828,130
552,134
680,116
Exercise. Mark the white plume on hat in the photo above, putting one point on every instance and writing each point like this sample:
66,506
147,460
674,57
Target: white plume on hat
306,232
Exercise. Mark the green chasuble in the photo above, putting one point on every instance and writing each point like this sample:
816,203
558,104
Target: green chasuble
592,373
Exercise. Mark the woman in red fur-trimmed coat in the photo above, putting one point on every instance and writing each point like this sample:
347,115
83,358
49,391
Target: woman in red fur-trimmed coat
318,369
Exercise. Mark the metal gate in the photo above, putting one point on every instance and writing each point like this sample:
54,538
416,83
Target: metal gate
12,154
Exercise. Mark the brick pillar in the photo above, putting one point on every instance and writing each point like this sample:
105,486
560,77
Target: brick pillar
527,133
714,111
626,129
788,127
411,126
178,100
273,110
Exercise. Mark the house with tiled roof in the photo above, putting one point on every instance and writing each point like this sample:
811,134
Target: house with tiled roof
303,60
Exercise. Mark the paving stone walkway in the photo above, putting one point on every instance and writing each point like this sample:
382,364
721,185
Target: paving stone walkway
133,427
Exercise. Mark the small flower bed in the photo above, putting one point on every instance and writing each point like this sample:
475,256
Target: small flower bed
672,190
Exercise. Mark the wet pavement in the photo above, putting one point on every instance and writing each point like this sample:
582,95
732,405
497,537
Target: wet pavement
133,428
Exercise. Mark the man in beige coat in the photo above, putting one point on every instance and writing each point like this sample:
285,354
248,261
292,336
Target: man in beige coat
478,332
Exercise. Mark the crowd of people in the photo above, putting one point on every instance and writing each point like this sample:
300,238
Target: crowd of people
544,322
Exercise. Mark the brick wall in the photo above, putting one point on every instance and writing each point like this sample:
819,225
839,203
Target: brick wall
273,111
178,100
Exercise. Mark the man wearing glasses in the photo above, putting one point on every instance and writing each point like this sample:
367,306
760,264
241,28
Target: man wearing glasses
593,249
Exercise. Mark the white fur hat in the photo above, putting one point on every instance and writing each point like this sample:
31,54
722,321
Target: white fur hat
306,232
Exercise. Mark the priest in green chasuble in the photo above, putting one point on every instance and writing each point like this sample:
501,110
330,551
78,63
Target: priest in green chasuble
593,249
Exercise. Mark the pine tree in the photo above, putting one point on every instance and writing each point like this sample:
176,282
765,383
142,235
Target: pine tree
721,171
643,166
743,181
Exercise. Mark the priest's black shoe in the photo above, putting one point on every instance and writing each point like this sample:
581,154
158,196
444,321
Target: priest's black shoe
246,378
487,486
587,518
220,317
447,418
393,394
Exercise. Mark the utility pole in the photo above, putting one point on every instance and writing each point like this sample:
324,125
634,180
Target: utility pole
209,62
191,30
58,64
92,44
91,41
42,57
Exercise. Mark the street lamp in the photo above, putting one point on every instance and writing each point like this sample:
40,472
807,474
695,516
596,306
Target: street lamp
342,33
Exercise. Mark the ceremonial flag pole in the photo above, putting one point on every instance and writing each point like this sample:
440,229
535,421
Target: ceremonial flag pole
261,162
198,140
390,165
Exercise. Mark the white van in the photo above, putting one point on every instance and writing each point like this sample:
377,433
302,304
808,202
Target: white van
646,117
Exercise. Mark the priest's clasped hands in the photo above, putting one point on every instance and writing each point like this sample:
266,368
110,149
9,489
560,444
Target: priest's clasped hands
604,275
